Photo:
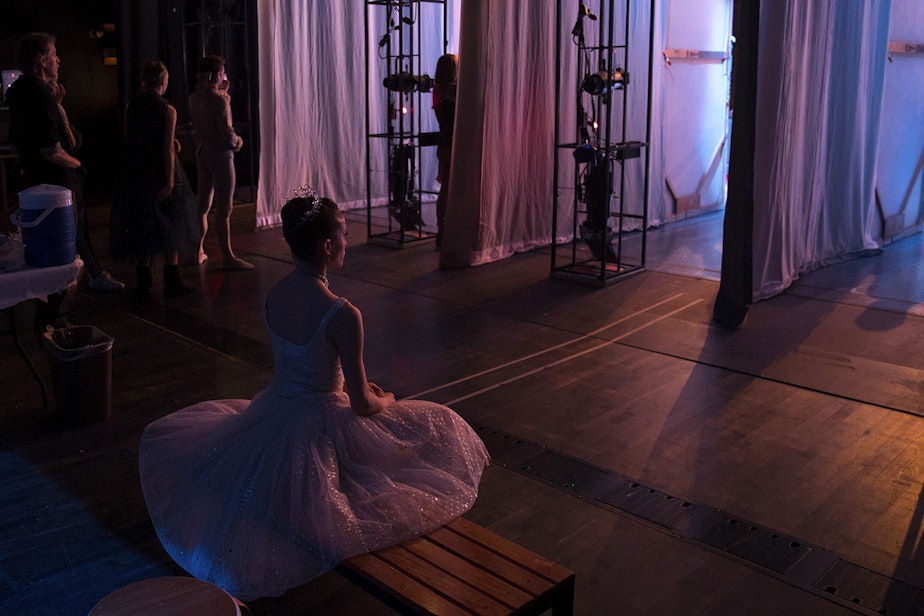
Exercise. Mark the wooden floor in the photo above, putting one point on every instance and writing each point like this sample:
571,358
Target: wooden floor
676,467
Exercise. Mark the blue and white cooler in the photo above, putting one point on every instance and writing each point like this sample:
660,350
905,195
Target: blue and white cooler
46,218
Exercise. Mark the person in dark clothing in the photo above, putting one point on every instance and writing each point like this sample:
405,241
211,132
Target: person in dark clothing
42,137
444,106
148,181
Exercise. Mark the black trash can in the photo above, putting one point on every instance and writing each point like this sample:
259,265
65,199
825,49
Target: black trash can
82,372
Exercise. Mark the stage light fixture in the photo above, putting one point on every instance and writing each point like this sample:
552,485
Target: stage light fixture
583,12
586,153
405,82
603,81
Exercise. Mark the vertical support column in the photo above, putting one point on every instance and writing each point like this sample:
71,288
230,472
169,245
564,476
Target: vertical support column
736,285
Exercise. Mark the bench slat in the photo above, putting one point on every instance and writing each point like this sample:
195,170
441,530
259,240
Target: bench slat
462,568
527,558
552,584
512,572
474,592
471,572
397,589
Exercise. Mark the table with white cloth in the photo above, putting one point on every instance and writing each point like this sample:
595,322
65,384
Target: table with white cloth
30,283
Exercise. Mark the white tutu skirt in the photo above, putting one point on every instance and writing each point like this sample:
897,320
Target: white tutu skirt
261,496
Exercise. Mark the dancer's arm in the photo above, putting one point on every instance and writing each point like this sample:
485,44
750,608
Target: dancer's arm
346,329
169,154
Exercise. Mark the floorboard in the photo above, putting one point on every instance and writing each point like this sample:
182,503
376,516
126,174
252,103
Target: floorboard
804,424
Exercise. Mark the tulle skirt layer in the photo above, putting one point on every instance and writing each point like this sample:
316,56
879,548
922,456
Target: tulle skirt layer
259,497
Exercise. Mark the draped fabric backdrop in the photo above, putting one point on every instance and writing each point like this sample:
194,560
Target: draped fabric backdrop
311,108
500,187
819,99
821,78
313,85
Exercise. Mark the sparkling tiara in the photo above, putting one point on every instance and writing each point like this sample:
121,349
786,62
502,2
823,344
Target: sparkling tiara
306,191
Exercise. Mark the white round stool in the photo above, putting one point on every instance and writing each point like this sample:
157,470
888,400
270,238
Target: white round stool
169,596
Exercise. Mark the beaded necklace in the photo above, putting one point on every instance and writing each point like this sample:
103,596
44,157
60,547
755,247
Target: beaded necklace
320,277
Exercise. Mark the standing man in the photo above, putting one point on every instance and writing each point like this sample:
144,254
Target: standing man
40,132
216,143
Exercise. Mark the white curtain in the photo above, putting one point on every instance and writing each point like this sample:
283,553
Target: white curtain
819,99
500,187
313,81
821,83
313,85
311,107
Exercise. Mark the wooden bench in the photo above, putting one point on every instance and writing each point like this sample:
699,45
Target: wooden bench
462,568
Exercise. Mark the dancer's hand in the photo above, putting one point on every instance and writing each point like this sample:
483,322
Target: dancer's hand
381,393
164,193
